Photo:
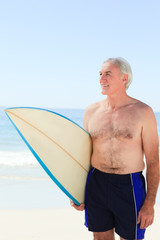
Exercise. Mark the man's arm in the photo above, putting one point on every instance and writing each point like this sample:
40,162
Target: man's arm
151,150
85,126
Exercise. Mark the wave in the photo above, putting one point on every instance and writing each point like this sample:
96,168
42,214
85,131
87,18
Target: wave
24,178
20,158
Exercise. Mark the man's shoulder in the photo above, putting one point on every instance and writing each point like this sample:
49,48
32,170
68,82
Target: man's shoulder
144,109
141,105
91,109
89,112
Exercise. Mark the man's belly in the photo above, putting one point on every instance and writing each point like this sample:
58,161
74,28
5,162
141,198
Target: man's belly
117,157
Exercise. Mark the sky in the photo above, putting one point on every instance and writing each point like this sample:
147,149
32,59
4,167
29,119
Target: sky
51,51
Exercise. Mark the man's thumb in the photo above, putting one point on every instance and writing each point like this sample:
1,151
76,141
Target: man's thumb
139,218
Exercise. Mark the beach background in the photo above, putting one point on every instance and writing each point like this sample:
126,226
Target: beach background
28,197
51,53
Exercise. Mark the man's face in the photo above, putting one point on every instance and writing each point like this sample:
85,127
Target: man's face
111,79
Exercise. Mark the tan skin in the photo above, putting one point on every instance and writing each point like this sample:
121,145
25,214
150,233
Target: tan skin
123,130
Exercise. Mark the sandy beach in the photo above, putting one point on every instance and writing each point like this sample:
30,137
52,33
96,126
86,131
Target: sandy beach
50,224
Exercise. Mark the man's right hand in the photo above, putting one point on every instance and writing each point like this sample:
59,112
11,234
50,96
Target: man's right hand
79,208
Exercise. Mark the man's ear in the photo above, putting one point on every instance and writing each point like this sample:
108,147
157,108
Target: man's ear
125,78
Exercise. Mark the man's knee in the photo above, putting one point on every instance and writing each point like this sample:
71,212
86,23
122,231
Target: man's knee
108,235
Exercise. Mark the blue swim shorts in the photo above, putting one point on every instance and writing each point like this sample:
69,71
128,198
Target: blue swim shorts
113,201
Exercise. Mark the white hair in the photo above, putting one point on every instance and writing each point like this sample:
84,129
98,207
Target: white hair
123,66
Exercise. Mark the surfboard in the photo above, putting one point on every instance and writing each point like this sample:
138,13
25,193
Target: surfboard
61,146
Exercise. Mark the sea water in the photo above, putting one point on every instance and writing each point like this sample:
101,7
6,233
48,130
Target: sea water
23,182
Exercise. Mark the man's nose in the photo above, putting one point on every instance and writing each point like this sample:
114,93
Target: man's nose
102,78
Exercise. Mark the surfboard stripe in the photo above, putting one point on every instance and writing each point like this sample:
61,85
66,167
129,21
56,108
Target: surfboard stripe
7,111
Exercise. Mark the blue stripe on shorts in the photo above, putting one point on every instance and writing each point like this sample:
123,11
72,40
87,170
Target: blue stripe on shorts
139,197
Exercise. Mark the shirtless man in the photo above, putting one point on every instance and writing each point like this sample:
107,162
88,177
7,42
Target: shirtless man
123,130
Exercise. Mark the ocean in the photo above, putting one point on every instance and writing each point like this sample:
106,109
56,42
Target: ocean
23,182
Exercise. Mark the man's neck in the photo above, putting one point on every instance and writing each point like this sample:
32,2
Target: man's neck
113,102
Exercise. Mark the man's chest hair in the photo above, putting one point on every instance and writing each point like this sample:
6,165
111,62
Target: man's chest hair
121,125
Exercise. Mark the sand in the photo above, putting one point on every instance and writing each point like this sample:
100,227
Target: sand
51,224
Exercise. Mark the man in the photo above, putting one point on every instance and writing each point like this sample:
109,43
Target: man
123,130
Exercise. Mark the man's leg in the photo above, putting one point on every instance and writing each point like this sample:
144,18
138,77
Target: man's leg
108,235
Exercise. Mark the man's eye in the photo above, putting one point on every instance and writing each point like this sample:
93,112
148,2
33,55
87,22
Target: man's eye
108,75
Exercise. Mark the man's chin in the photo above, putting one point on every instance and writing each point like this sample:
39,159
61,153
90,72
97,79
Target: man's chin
104,92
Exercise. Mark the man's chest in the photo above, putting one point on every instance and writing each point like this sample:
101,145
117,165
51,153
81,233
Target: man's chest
118,125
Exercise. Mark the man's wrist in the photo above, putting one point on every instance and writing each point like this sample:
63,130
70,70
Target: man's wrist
149,203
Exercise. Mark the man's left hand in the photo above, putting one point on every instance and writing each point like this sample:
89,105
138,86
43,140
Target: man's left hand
145,216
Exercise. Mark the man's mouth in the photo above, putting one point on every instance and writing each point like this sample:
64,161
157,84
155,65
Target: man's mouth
105,85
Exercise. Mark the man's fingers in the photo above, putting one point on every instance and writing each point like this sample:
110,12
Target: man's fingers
139,218
149,222
79,208
71,203
145,221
